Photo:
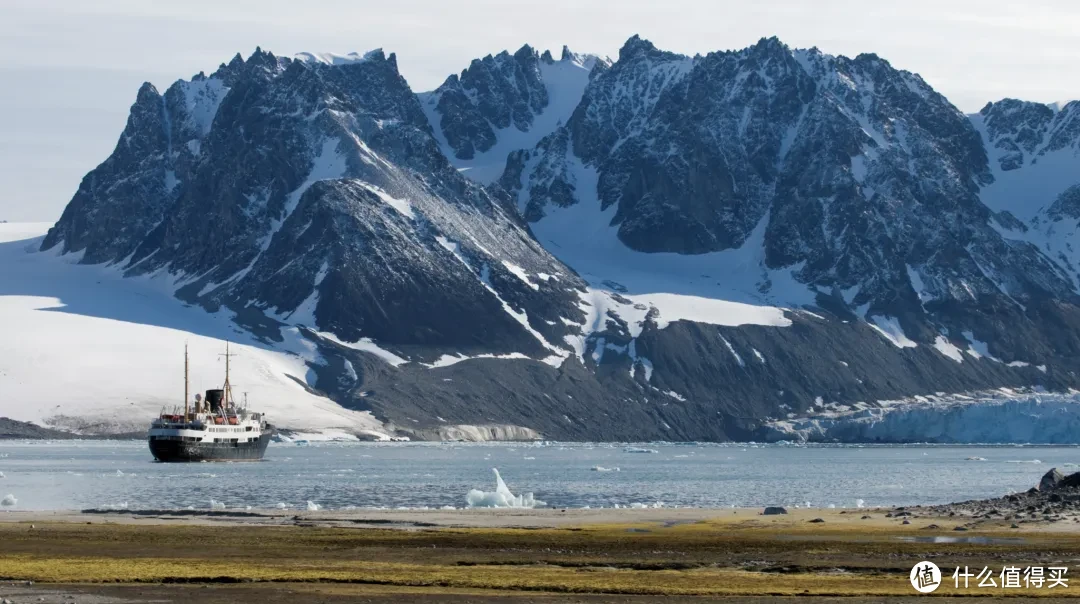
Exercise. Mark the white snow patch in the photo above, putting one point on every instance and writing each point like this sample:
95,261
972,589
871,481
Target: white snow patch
917,284
978,349
330,58
520,273
447,360
401,205
366,345
731,349
945,347
350,371
889,327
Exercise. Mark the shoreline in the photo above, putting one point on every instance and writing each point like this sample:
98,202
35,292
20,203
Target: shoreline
953,519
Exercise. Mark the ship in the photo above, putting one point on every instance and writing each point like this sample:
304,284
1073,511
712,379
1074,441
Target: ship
214,428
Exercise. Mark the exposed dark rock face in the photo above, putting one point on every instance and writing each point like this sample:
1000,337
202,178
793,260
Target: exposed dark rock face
315,194
493,93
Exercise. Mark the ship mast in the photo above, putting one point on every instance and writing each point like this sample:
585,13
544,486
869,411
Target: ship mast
186,408
227,403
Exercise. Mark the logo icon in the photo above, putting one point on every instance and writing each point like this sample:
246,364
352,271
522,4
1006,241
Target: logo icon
925,577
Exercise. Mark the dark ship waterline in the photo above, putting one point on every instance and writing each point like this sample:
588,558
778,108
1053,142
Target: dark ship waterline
216,430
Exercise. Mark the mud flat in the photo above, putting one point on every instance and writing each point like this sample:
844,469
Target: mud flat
509,555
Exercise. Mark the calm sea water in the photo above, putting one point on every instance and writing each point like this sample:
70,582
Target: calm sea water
76,475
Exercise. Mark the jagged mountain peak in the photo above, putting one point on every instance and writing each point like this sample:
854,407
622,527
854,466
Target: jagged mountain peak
505,102
636,46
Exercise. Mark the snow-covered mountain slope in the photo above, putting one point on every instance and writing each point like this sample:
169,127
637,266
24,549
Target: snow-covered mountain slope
794,178
85,349
503,103
1034,152
680,248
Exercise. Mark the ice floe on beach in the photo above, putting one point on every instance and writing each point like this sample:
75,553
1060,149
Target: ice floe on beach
501,497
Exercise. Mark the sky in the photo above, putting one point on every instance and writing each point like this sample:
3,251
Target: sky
70,69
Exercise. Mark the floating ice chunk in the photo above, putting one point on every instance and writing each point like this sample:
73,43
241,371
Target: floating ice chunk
603,469
313,507
639,450
501,497
9,501
216,505
281,506
1,474
859,503
974,459
119,472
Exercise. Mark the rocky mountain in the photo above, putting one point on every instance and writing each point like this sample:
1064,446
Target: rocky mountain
1033,150
506,102
659,247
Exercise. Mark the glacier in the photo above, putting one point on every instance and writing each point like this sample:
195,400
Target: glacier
1004,416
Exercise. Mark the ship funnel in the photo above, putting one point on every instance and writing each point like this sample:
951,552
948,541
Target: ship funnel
214,399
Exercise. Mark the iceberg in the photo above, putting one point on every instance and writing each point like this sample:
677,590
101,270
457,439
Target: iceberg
312,506
501,497
9,501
